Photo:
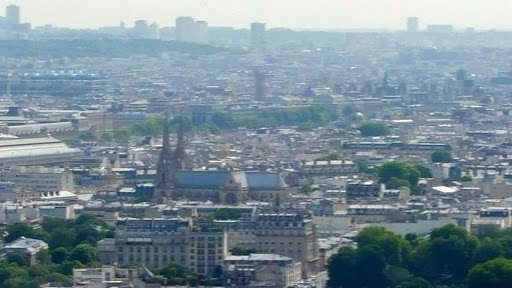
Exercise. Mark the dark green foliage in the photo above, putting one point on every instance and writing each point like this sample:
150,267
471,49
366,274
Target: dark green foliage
56,264
306,189
179,275
466,178
397,174
349,110
105,48
59,255
362,166
441,156
19,258
84,253
450,257
238,250
87,136
330,156
496,273
227,214
373,128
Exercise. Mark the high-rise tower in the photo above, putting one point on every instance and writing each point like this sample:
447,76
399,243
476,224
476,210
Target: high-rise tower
258,36
413,24
12,14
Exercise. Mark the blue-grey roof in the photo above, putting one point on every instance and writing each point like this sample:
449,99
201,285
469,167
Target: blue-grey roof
264,180
216,179
200,179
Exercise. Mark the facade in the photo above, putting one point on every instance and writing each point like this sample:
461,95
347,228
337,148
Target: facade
270,268
106,276
184,28
358,188
52,84
287,234
159,242
38,179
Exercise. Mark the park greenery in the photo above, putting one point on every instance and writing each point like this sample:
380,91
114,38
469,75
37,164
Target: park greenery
349,110
441,156
227,214
330,157
450,257
305,118
72,244
105,48
396,174
373,128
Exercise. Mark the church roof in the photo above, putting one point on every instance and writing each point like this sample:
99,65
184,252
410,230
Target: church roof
264,180
200,179
215,179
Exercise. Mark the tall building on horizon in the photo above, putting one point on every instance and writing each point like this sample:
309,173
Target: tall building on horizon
258,31
189,30
413,24
12,14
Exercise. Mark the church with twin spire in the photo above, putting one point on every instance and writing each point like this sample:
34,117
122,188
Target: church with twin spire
175,181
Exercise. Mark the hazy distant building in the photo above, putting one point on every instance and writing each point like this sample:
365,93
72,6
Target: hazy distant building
258,35
201,31
259,85
12,14
188,30
184,28
413,24
444,28
141,29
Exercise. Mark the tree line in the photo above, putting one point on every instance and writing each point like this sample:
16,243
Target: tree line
449,257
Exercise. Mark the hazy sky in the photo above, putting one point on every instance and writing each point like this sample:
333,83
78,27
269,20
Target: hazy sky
331,14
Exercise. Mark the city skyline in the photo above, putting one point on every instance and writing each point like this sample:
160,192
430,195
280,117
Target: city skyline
302,14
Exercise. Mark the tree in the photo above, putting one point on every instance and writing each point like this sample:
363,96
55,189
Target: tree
401,171
84,253
227,214
415,283
107,137
395,183
487,249
441,156
466,178
238,250
330,156
19,258
496,273
373,128
62,237
446,257
349,110
425,172
342,269
362,166
59,255
306,189
64,280
43,257
87,136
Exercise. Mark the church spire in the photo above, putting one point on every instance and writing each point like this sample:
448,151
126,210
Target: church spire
165,167
180,153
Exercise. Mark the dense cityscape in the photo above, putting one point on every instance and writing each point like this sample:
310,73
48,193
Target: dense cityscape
193,155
